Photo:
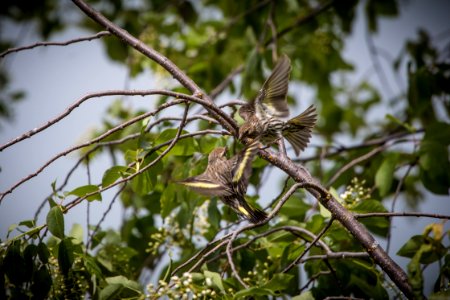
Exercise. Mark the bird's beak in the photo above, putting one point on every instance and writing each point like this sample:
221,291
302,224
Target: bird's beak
240,134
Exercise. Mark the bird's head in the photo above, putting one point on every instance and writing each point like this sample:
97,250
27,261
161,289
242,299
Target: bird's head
250,129
217,153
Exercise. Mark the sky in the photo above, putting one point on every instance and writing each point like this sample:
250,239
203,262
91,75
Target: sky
55,77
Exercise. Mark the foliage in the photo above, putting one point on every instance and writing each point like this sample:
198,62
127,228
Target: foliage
399,156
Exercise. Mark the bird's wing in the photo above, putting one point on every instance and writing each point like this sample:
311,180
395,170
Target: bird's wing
272,96
242,167
298,129
205,186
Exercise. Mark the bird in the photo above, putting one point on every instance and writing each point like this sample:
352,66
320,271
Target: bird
228,179
264,114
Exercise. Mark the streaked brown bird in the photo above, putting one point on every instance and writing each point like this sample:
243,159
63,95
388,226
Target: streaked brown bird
263,114
228,179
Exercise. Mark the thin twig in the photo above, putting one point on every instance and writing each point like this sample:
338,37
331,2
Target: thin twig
365,144
102,136
401,214
163,61
45,44
302,20
126,179
77,103
394,200
313,242
292,229
354,162
97,227
226,82
377,64
313,278
229,251
336,255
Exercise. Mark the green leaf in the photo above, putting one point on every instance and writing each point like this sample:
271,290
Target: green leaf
92,266
27,223
55,222
295,208
168,200
215,278
11,228
434,167
82,191
431,250
438,132
65,256
43,253
378,225
253,291
112,174
183,147
304,296
120,287
145,182
279,282
411,246
29,255
111,291
385,174
41,284
213,213
77,233
14,264
398,122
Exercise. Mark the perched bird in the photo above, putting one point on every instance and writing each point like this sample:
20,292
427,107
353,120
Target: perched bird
263,114
228,179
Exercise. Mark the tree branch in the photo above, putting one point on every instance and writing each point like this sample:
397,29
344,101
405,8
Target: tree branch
211,107
299,174
40,44
124,180
163,61
401,214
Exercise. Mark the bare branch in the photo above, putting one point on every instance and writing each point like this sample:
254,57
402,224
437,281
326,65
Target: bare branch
45,44
69,109
157,159
313,278
336,255
99,138
223,85
365,144
97,227
140,46
394,200
295,230
377,64
224,239
300,174
229,251
401,214
354,162
316,239
301,21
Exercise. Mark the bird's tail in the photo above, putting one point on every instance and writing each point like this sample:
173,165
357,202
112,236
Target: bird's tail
243,209
298,129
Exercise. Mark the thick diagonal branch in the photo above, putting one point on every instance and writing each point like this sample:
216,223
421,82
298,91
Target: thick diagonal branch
376,252
163,61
